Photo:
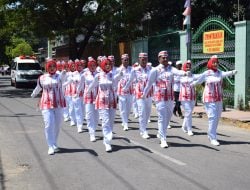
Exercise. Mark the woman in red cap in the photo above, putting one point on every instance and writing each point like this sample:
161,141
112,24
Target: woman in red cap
51,104
212,95
106,99
89,98
187,97
75,97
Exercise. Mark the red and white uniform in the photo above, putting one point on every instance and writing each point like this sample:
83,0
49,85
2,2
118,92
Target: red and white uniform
105,101
163,78
74,98
212,97
139,76
187,97
89,98
51,104
125,96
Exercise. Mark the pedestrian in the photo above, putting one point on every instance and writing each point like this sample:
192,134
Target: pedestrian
163,78
106,101
139,76
51,103
89,98
187,97
124,96
213,95
177,106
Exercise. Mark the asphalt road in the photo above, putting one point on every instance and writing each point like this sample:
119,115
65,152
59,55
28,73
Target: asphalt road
135,163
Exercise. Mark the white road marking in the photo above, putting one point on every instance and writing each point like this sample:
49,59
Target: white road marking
178,162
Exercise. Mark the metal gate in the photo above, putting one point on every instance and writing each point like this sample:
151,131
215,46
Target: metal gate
226,59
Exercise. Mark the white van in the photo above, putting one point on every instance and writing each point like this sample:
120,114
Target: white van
25,70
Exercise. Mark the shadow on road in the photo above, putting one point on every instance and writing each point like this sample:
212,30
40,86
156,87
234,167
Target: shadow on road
2,186
74,150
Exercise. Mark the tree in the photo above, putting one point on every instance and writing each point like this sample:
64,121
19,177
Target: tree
22,48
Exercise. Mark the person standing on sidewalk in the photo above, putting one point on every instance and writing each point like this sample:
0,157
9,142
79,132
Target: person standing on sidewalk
213,95
51,104
187,97
106,101
163,77
177,106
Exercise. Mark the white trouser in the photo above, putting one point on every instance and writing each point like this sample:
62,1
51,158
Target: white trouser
134,105
66,109
75,111
188,107
52,121
164,111
108,116
214,110
144,109
92,117
83,108
125,102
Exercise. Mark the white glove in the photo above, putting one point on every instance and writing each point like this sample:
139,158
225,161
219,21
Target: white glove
188,73
234,72
33,95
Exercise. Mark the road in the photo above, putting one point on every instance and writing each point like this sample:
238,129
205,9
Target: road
135,163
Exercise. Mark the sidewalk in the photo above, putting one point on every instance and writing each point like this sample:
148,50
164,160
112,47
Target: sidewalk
230,114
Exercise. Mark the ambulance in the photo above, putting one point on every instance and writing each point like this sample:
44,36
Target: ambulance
25,71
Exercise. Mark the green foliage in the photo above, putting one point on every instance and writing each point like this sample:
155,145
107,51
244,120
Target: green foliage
22,49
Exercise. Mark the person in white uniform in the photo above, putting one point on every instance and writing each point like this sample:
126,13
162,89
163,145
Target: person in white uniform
177,106
106,101
89,97
213,95
125,96
139,76
51,104
163,77
187,97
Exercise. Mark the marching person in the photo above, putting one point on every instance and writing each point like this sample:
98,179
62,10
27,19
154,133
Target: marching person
89,98
75,104
124,96
139,76
177,107
51,104
213,95
163,77
66,92
105,101
187,97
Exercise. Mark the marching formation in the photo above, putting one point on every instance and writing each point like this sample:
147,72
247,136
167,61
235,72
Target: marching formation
92,90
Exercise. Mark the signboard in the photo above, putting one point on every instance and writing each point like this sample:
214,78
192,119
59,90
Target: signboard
213,41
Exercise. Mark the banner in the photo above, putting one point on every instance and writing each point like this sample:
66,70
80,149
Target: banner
213,42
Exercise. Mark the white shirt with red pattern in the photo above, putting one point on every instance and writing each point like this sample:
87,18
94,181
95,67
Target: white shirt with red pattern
106,97
72,84
139,76
187,91
163,77
52,91
123,81
86,79
213,91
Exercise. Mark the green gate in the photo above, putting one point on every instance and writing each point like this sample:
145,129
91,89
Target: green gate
226,59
